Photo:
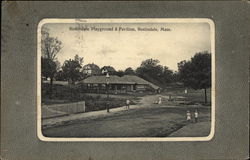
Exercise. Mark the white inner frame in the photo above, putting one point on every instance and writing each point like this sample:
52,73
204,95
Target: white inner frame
126,20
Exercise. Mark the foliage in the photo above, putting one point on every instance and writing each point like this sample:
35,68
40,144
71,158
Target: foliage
120,73
152,71
60,76
49,68
166,75
72,69
196,73
129,71
108,69
175,77
50,46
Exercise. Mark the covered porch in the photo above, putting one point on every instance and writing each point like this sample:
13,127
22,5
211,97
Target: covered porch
111,88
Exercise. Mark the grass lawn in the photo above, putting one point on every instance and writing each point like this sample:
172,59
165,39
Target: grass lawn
191,97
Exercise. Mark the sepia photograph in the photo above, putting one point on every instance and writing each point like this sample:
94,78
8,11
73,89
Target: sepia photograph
118,80
126,79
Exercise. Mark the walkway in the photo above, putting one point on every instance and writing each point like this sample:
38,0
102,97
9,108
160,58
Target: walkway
88,115
193,130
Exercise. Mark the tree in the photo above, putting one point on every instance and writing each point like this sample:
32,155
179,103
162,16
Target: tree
175,77
129,71
150,63
167,75
149,69
152,71
72,69
119,73
59,76
49,68
50,47
108,69
196,73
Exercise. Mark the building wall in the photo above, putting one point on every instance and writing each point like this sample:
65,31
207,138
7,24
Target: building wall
140,87
101,88
114,88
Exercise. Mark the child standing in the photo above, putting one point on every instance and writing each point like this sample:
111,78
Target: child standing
127,104
159,102
188,116
196,115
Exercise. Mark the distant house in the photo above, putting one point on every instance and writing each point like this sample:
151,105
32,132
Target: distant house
91,70
125,84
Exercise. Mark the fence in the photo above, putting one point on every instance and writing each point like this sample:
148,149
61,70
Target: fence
49,111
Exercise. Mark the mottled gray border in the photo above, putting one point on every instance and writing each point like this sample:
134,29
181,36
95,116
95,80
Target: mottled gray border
18,83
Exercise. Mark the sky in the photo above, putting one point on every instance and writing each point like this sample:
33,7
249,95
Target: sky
124,48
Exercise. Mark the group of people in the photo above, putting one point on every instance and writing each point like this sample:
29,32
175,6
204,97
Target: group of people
195,116
189,116
159,101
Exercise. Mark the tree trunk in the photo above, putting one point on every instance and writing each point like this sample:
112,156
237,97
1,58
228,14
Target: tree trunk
205,95
51,84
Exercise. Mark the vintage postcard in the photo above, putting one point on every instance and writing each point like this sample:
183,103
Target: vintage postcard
126,79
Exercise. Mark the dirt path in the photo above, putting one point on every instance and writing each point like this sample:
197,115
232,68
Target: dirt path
148,101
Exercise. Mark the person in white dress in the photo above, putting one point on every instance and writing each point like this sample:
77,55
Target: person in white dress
127,104
196,115
159,102
188,116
